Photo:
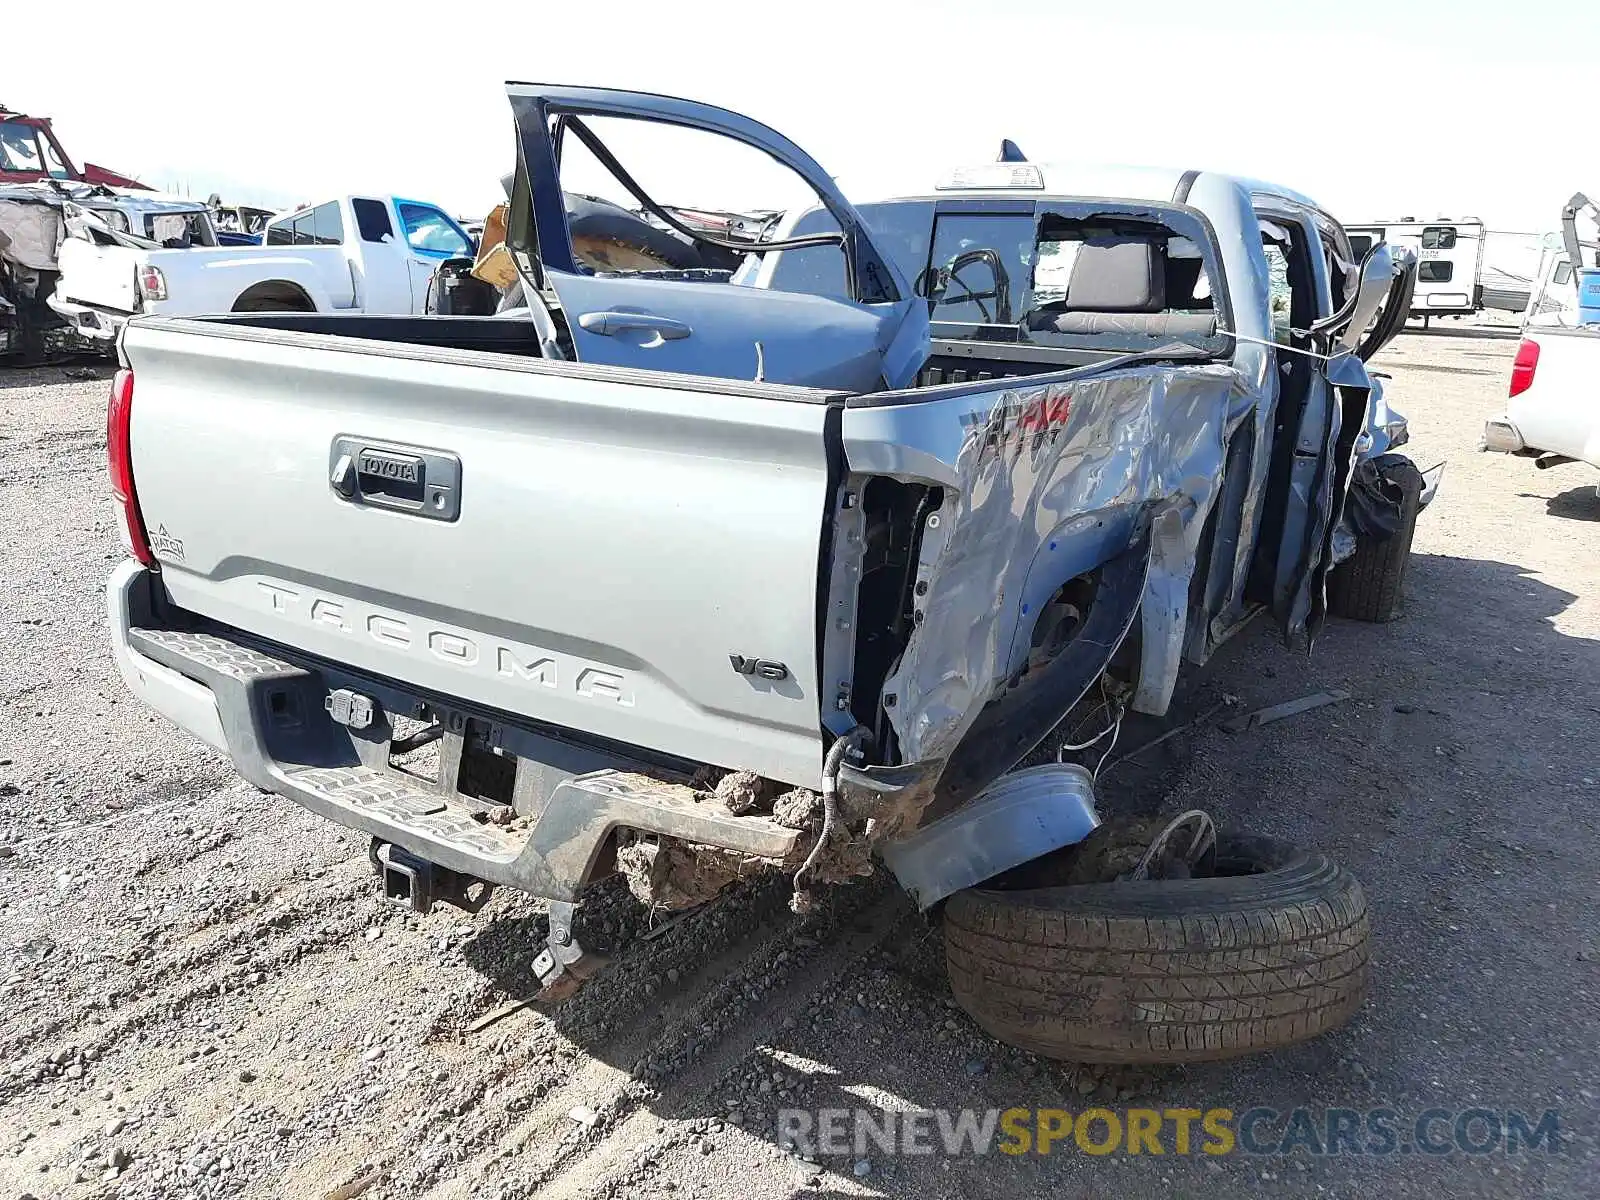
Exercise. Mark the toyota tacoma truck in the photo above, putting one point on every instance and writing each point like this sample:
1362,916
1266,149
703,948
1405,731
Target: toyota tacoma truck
690,575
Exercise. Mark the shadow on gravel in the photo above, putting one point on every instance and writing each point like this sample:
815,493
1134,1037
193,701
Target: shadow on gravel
76,371
1474,332
1576,504
1451,369
715,1012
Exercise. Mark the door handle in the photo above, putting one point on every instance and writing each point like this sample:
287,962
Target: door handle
609,324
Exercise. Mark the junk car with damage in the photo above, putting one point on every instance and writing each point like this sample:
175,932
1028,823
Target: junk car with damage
38,219
694,574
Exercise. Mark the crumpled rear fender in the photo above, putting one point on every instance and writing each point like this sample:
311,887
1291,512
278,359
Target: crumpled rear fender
1022,715
1043,480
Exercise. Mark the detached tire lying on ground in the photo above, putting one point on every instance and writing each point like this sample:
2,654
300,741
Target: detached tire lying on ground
1366,586
1269,951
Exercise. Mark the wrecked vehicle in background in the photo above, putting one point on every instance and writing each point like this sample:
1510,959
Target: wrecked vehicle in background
36,219
691,575
237,224
36,178
31,153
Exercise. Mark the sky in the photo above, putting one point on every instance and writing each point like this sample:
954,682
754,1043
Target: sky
1377,108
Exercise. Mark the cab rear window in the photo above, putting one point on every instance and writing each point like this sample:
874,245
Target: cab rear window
1030,274
982,262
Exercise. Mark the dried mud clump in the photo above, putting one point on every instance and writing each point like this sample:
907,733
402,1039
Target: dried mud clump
677,875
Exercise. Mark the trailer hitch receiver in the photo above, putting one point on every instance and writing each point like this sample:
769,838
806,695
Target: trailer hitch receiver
421,884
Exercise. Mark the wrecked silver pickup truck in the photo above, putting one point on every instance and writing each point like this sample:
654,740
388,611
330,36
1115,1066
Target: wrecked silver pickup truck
689,575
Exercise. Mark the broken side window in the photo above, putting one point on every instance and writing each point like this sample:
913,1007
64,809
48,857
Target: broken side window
189,228
55,162
738,194
1106,282
19,147
899,228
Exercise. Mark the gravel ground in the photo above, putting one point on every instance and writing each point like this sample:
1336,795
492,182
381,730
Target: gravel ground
202,995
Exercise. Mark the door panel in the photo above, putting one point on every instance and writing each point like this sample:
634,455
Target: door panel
725,330
374,243
670,321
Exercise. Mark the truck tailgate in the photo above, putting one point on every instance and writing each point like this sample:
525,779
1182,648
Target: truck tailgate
619,535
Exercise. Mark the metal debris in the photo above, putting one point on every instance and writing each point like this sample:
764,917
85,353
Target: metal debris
1277,712
499,1014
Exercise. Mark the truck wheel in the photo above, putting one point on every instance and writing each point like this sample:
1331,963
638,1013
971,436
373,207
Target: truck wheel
275,295
1366,586
1268,951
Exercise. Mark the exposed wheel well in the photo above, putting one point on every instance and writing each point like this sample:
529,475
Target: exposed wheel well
274,295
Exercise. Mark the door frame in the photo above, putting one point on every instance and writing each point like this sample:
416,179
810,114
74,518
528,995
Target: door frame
537,226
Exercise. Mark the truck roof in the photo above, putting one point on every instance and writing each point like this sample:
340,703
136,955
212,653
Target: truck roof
94,195
1154,185
1418,221
141,202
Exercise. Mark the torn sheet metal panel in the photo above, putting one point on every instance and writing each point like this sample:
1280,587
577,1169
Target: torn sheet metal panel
1229,205
1164,608
1043,477
1023,815
1289,708
1033,699
30,233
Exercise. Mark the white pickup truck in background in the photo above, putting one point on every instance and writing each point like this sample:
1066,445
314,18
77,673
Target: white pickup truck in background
1553,413
360,254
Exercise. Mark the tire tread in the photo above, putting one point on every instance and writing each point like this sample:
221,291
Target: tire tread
1287,962
1367,585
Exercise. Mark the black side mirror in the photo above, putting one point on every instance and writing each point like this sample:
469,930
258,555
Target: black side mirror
932,284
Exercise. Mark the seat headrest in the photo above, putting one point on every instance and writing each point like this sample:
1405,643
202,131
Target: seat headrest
1119,276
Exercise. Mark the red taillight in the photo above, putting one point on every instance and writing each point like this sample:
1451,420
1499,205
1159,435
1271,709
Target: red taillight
1527,362
152,283
119,422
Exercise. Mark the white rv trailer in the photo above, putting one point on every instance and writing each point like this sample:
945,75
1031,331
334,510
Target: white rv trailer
1449,261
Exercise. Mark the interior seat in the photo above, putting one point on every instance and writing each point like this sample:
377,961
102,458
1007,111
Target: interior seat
1119,287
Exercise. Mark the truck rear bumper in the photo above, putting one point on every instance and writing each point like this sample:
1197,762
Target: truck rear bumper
90,322
179,699
565,802
1502,437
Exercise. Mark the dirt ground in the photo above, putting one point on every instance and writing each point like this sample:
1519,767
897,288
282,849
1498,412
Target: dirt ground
201,993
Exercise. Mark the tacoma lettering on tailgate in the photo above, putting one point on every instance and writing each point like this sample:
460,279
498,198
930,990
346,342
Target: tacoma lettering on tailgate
536,667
